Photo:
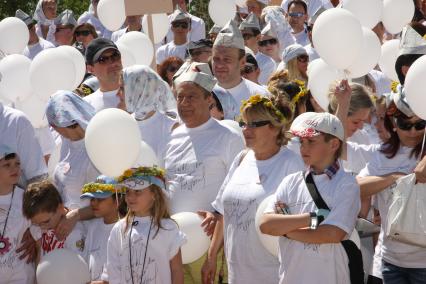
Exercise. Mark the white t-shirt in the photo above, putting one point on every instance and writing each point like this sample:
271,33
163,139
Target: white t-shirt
12,269
302,38
313,5
161,248
31,51
156,131
90,18
197,32
72,172
197,161
267,67
18,134
45,139
245,187
96,248
171,49
394,252
244,90
317,263
358,156
312,53
102,100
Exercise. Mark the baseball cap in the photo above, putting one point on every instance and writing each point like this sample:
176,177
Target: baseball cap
103,187
96,47
142,177
200,43
311,124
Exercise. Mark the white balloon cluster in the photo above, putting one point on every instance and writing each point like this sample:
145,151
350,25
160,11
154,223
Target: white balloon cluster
221,11
136,48
415,87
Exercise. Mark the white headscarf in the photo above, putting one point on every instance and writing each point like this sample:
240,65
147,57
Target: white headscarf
145,91
41,19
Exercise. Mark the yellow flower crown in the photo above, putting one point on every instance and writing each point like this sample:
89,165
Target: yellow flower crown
143,171
394,86
255,99
303,91
96,187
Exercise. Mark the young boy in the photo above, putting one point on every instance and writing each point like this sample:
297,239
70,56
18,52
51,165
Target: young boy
310,248
43,205
12,223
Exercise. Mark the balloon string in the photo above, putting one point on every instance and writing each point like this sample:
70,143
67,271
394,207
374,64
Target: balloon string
423,146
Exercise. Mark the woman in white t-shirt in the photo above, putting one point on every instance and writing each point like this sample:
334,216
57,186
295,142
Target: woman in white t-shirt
147,97
401,263
254,175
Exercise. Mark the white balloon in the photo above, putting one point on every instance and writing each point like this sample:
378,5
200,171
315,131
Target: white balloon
147,156
50,71
111,13
221,11
140,46
14,35
35,109
78,61
396,14
415,86
321,76
62,266
112,141
160,23
269,242
368,17
127,58
390,51
369,55
337,37
15,77
197,241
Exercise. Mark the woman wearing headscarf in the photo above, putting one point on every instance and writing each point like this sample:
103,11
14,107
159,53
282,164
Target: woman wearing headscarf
45,14
147,97
69,115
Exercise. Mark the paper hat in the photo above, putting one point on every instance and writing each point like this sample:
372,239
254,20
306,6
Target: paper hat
5,150
316,15
198,73
230,36
66,18
27,19
269,30
292,51
251,21
411,42
400,101
311,124
215,29
179,15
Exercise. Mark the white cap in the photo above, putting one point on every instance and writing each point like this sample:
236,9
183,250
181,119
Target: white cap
292,51
198,73
411,42
230,36
251,21
311,124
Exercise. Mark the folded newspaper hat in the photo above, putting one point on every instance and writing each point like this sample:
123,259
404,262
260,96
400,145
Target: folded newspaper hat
66,18
215,29
411,42
269,30
311,124
198,73
251,21
316,15
230,36
27,19
179,15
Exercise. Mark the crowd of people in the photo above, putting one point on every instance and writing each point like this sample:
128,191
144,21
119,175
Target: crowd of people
229,117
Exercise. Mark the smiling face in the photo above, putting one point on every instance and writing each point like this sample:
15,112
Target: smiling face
227,64
109,70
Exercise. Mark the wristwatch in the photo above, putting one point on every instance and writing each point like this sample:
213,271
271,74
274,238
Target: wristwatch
314,221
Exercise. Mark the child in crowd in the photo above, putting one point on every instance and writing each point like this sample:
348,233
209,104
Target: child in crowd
145,246
12,222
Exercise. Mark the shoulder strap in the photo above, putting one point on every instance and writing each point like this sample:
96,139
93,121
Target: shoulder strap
313,191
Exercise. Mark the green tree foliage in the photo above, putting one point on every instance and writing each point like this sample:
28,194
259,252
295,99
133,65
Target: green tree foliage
200,8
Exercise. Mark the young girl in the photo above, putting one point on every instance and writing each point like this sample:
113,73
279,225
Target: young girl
145,246
12,222
107,204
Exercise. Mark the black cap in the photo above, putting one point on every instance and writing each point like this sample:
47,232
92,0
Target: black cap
200,43
96,47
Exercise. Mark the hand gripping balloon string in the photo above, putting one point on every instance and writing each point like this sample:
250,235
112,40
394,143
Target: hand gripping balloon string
345,75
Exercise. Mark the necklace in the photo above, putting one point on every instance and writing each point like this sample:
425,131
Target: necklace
135,223
4,242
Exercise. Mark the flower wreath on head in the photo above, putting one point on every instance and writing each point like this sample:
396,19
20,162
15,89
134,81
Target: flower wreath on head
303,91
96,187
154,174
255,99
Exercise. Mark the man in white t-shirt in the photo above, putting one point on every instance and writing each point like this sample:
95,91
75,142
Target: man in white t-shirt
35,44
227,61
103,60
181,25
297,16
310,248
91,17
134,23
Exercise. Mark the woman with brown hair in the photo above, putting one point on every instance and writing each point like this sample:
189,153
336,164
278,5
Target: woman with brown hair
168,68
83,34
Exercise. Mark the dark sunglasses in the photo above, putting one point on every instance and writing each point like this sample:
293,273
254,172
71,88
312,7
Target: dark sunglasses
172,69
253,124
247,36
82,33
115,56
303,58
248,69
265,42
183,25
405,125
296,15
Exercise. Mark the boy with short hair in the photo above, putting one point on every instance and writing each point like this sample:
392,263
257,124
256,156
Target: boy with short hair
13,224
43,205
310,248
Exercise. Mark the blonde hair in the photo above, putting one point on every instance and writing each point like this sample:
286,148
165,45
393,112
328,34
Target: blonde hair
277,78
294,72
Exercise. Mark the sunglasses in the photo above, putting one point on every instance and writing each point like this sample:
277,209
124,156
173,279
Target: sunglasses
183,25
296,15
303,58
265,42
82,33
405,125
247,36
115,56
248,69
253,124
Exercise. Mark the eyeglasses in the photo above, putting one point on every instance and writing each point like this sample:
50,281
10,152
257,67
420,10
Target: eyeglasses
265,42
183,25
247,36
82,33
248,69
296,15
303,58
172,69
253,124
406,126
115,56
